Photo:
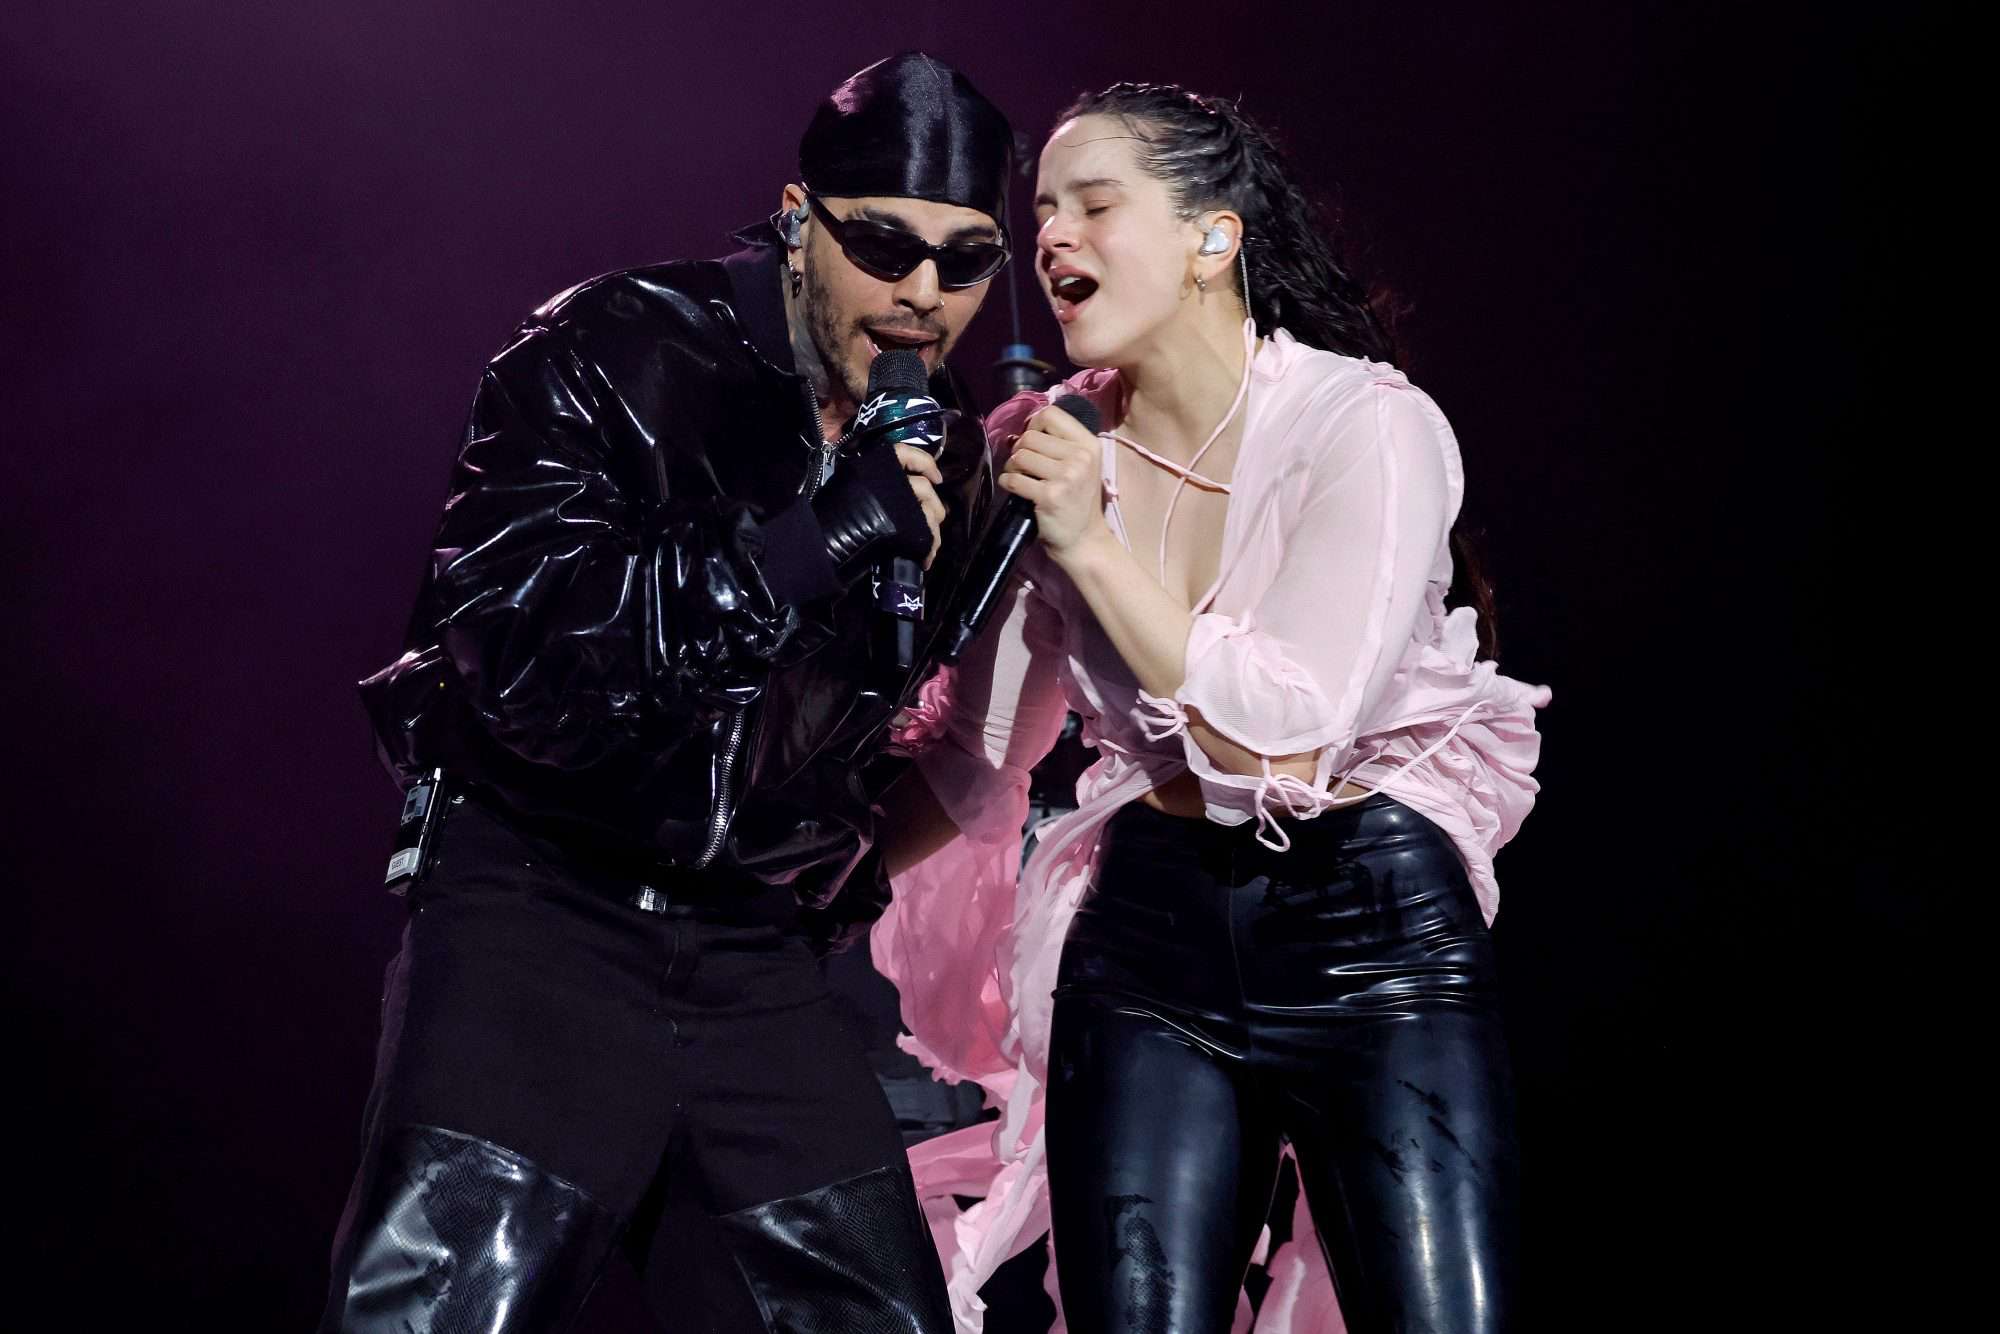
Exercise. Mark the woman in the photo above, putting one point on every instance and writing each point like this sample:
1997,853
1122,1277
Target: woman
1266,921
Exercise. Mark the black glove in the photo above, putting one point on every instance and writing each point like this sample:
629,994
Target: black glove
867,512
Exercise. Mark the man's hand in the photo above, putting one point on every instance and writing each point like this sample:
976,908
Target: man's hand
925,478
880,505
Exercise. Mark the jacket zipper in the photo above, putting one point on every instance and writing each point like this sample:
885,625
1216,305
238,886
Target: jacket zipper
725,797
739,725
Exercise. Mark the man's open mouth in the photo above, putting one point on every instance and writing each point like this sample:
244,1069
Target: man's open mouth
883,339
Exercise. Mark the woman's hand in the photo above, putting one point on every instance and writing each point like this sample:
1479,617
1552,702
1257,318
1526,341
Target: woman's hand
1059,467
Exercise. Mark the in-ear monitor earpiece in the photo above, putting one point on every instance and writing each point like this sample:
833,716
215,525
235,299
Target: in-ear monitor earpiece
789,222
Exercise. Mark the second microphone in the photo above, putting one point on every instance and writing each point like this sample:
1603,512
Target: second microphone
1007,537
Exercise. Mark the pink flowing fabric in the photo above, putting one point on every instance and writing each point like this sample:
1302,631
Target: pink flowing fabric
1327,631
1301,1293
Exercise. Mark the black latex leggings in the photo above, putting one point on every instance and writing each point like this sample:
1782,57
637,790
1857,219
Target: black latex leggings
1215,998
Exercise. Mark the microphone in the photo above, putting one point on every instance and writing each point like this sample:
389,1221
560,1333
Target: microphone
1011,531
899,410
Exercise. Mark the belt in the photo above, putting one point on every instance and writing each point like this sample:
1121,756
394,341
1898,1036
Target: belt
631,878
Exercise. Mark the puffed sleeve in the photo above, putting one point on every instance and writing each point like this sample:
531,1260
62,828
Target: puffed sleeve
1007,711
1303,669
1007,705
937,941
582,618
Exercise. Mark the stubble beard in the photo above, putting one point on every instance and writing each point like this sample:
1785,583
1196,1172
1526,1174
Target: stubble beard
826,338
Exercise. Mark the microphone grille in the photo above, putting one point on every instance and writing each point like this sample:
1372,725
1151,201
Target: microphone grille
898,371
1081,408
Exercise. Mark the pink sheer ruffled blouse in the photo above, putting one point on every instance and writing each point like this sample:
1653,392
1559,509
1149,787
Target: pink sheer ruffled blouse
1326,632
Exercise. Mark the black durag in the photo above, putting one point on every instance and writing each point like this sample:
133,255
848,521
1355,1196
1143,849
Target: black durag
910,127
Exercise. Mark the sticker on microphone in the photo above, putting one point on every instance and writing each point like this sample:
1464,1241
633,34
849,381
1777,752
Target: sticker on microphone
900,599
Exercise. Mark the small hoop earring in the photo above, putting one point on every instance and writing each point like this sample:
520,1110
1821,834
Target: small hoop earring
1202,283
794,277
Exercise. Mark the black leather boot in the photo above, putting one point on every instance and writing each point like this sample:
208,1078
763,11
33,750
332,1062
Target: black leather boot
854,1257
449,1233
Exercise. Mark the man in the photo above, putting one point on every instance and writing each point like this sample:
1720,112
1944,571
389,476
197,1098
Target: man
651,672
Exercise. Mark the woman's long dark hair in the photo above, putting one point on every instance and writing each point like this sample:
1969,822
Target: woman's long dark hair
1210,155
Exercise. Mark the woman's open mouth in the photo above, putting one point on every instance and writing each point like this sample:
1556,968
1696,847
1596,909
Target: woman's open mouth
1068,293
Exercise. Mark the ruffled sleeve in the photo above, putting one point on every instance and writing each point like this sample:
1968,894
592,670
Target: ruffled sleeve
1007,707
1304,668
1006,712
937,941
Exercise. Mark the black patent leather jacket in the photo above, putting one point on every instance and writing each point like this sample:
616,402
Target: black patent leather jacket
595,645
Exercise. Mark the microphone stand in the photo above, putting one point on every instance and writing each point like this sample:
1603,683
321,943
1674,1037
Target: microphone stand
1018,367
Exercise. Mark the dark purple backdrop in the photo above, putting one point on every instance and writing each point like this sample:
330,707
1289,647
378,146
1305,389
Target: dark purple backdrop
257,254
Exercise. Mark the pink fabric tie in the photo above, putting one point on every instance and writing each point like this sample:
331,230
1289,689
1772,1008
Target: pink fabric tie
1186,472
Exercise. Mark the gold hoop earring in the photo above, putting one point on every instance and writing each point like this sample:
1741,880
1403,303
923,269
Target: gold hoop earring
1202,283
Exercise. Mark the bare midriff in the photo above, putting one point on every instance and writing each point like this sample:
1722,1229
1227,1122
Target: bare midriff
1181,795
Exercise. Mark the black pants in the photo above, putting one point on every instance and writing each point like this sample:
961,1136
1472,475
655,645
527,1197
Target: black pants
1215,997
562,1073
